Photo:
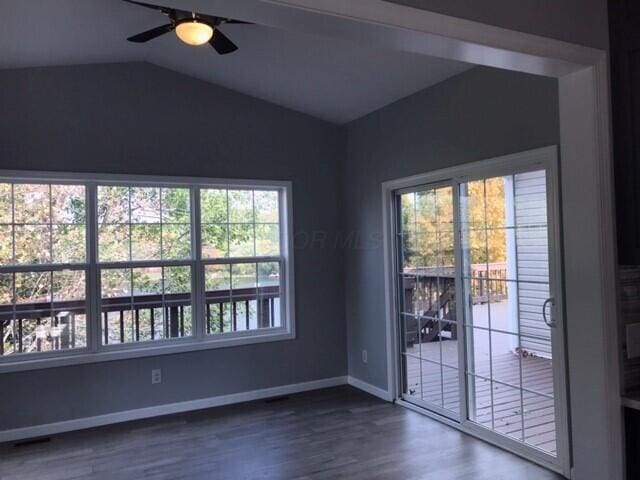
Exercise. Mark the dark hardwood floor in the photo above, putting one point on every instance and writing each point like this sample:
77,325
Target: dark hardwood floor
333,433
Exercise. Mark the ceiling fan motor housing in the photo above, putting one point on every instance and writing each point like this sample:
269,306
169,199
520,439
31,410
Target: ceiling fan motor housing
192,28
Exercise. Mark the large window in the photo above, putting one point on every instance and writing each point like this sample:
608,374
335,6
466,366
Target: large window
107,266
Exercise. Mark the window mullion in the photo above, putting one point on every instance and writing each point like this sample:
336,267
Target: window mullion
285,246
93,284
197,275
13,224
145,264
237,260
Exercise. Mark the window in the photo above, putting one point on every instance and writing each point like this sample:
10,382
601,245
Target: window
43,277
241,248
107,267
145,263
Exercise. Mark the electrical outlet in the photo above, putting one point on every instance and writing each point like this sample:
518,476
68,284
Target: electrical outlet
364,356
156,376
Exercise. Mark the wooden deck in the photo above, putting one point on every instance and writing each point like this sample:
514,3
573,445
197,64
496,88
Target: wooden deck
506,418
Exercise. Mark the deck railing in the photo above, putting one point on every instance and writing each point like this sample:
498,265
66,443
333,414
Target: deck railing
430,294
152,316
488,282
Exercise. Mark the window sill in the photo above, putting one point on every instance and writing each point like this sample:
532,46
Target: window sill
126,352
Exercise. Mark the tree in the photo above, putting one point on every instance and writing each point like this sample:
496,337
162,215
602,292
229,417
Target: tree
427,224
42,224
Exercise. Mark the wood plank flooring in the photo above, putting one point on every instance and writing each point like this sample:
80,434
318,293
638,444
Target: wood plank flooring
337,433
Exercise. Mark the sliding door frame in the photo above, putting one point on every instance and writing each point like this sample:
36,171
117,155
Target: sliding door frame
546,158
397,254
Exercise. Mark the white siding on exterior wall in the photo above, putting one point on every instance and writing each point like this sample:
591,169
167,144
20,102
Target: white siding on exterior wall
532,260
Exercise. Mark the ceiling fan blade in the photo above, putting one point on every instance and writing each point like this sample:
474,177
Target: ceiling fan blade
220,20
237,22
160,8
151,34
221,43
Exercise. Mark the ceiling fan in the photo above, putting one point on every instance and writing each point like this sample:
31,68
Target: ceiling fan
190,27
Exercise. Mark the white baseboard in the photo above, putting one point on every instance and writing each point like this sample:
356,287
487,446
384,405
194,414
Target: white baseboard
140,413
179,407
371,389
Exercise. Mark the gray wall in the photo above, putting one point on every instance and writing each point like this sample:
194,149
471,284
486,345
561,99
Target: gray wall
480,114
137,118
576,21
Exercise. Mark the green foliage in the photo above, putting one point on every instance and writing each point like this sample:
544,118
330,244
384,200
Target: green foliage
427,225
485,206
48,223
427,228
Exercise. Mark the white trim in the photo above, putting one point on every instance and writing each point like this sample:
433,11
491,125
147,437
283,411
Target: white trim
370,389
559,332
585,134
95,351
155,411
389,258
608,255
429,33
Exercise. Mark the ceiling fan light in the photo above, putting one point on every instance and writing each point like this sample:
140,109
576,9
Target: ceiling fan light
194,32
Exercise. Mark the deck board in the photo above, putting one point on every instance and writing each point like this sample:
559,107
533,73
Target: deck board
537,380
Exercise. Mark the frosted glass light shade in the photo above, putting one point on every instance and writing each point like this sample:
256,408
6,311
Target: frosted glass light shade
194,33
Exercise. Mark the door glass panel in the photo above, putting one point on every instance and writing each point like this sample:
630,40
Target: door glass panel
507,410
431,383
480,394
539,421
412,376
451,387
427,298
505,265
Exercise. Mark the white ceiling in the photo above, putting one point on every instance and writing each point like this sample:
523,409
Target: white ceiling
329,78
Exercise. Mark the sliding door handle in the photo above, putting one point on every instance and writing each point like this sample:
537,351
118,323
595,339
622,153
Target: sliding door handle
550,322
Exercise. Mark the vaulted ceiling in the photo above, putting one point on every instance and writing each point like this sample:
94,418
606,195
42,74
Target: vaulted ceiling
333,79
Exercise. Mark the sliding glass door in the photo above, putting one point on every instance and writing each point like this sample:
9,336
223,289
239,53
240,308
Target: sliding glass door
506,287
427,299
478,306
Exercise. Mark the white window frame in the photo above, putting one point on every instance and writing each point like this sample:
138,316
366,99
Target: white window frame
96,352
544,158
